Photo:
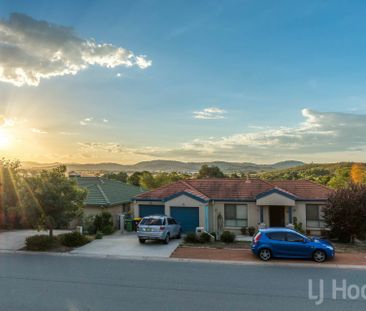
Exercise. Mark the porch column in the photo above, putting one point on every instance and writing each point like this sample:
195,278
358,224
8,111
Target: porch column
261,213
206,218
290,214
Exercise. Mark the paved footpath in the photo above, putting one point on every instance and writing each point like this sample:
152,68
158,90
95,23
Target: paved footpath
245,255
43,282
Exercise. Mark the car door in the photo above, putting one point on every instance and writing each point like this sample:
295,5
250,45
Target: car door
276,241
171,227
297,245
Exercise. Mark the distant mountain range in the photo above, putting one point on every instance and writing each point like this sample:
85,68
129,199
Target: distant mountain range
168,166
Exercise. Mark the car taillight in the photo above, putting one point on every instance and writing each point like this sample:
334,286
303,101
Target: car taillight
162,228
257,237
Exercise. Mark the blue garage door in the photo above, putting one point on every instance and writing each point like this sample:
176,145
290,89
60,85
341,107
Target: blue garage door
188,217
147,210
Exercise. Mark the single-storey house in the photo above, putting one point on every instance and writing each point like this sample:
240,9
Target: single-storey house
108,195
230,204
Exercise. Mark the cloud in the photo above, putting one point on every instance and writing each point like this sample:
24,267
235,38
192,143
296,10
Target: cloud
37,131
211,113
85,121
105,120
320,132
32,50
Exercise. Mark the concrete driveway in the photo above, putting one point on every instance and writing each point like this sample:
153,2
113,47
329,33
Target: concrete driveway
127,245
15,240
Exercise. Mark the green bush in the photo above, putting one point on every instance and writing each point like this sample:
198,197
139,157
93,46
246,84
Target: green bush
227,237
40,242
243,230
214,235
109,229
251,231
89,224
99,235
190,238
205,237
104,222
73,239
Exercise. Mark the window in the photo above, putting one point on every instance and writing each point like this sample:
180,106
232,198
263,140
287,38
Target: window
314,217
171,221
292,237
277,236
236,215
153,221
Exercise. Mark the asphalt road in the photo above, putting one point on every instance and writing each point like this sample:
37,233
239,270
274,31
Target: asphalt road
43,282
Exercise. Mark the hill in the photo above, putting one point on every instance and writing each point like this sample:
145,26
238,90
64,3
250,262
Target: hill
169,166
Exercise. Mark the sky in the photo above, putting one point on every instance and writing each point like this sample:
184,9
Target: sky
129,81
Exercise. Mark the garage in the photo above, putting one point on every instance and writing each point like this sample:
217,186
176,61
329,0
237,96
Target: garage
147,210
188,217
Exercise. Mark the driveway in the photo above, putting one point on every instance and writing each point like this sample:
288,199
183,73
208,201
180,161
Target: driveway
15,240
127,245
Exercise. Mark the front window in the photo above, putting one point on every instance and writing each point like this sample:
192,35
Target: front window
314,217
236,215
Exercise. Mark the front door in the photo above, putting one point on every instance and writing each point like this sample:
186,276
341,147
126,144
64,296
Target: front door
276,216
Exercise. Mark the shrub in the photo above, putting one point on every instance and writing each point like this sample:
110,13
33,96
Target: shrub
109,229
298,225
99,235
190,238
89,225
227,237
40,242
251,231
243,230
104,222
204,237
73,239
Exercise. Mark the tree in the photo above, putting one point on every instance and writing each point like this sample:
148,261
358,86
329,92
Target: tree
10,209
120,176
147,181
340,179
345,213
51,199
134,179
358,173
210,172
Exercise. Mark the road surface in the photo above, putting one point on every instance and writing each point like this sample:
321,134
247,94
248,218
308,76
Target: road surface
44,282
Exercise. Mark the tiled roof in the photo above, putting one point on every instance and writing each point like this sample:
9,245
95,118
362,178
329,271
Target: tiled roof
105,192
238,189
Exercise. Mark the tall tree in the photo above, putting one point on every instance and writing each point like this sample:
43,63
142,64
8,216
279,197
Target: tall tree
358,173
51,199
10,209
134,179
210,172
345,212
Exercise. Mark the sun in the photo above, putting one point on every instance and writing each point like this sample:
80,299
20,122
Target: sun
5,139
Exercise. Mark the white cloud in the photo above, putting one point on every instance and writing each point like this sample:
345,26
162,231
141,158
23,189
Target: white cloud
85,121
320,133
105,120
211,113
32,50
37,131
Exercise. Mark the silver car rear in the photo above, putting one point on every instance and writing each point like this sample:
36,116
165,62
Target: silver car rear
157,227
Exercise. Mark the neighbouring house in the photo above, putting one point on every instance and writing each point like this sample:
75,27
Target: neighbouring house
108,195
230,204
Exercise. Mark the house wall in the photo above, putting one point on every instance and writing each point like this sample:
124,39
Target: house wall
275,199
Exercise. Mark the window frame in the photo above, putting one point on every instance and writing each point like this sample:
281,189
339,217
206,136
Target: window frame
236,222
315,222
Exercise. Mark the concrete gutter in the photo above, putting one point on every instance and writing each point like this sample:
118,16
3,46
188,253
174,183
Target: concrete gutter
203,261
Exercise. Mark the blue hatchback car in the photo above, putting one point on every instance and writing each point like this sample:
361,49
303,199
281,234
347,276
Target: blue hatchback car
288,243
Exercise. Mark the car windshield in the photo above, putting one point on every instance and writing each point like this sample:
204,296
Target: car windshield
152,222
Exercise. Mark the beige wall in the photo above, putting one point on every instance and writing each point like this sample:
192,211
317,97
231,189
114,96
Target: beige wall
275,199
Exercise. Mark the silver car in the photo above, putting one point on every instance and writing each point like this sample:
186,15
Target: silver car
158,227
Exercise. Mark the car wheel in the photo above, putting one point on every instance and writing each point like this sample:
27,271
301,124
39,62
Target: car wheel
167,239
142,241
265,254
319,256
179,235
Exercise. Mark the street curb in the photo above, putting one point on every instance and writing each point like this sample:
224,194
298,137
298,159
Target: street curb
189,260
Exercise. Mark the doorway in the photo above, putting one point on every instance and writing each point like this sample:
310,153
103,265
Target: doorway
277,216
